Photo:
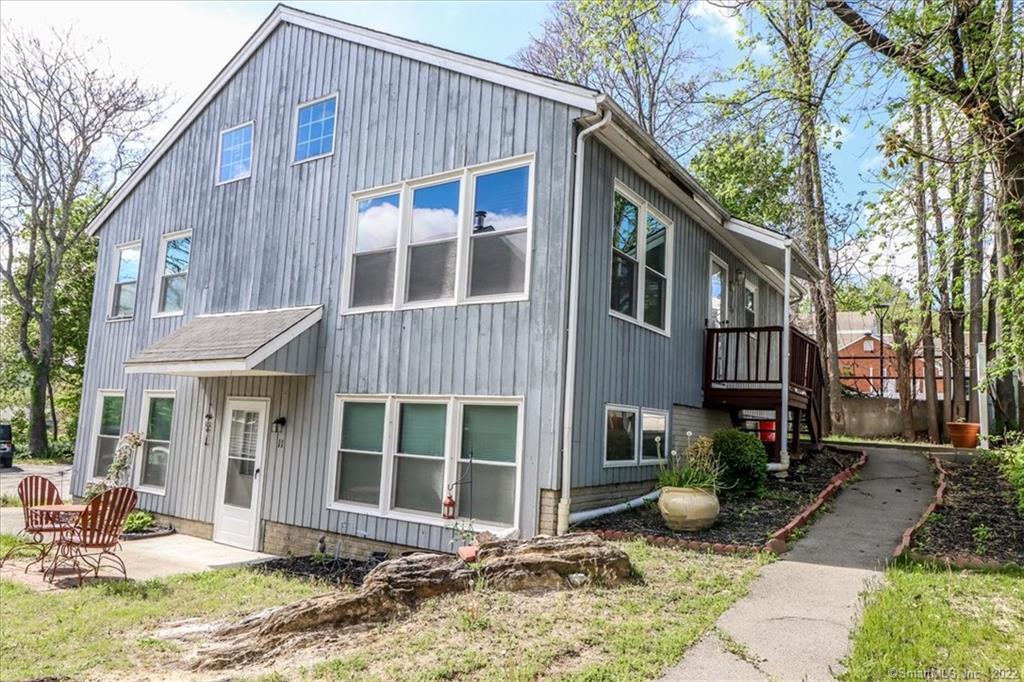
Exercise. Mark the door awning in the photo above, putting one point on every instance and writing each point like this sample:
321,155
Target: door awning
769,247
252,343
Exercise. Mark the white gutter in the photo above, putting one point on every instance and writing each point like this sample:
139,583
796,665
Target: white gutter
581,516
782,466
568,398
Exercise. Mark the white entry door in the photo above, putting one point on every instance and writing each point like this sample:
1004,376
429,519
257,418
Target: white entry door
238,482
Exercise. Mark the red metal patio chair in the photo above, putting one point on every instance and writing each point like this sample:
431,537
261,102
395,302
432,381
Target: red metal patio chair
95,535
34,491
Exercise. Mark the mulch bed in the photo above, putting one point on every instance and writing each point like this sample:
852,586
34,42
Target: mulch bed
339,571
154,532
977,520
746,520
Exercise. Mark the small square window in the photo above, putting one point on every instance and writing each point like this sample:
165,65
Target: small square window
315,134
620,435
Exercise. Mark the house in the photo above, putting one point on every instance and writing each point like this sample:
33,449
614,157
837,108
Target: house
864,357
367,289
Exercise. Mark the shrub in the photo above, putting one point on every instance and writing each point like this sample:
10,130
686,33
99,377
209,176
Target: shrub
743,460
138,521
1012,464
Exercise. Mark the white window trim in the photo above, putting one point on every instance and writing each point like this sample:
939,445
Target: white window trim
712,261
295,128
118,248
644,208
158,284
464,236
604,435
453,444
217,182
665,449
638,458
97,418
752,287
147,397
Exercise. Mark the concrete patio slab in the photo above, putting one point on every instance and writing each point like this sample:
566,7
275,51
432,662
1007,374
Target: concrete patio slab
796,622
151,558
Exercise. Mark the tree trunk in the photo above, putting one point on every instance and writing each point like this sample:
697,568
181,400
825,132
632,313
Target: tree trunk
53,408
942,283
396,587
38,436
976,300
904,385
924,295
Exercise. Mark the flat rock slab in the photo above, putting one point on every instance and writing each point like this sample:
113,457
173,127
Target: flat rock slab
796,622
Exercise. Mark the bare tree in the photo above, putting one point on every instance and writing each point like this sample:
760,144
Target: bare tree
643,62
70,132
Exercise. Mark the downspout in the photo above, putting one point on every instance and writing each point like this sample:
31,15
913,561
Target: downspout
569,388
782,466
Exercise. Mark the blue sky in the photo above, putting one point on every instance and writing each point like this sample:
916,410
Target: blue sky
182,45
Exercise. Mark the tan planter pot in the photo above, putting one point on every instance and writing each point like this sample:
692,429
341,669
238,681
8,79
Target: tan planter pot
964,434
688,508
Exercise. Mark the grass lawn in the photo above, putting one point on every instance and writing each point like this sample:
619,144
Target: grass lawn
101,628
969,622
628,633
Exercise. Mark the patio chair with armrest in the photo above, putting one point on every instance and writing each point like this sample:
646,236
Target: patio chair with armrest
34,491
95,536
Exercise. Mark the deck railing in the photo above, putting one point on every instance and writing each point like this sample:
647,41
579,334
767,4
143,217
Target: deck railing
745,358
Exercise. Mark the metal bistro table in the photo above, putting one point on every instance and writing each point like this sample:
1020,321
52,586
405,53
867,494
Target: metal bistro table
59,514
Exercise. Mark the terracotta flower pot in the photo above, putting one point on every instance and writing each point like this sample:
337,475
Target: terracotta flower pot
964,434
688,508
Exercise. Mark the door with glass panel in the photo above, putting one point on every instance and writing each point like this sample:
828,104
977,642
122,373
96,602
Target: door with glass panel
239,483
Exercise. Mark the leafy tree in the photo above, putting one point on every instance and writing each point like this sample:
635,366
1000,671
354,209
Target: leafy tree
635,50
750,175
70,133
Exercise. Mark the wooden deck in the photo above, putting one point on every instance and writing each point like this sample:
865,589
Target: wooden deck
743,371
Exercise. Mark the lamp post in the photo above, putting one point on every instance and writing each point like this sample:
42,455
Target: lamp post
880,310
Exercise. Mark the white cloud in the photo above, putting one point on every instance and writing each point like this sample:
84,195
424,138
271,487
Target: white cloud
433,223
378,227
721,20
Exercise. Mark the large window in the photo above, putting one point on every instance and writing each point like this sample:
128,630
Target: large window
634,435
641,261
157,416
175,254
109,412
457,237
126,281
399,457
234,162
314,133
718,292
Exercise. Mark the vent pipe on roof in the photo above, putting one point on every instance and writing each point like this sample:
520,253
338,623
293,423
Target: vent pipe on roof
569,388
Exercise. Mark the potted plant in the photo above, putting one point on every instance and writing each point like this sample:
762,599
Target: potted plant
689,490
963,434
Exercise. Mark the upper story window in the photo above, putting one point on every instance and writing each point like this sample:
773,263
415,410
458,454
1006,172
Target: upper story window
126,281
235,157
419,243
314,134
749,304
718,293
869,345
641,261
175,253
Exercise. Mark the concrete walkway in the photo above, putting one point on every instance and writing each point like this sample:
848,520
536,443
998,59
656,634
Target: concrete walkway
795,624
144,559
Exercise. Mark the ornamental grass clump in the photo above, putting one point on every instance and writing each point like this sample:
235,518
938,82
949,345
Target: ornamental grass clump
701,468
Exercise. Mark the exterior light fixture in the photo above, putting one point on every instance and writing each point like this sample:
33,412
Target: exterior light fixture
277,426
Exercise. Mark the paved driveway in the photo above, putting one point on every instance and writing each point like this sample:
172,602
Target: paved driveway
60,474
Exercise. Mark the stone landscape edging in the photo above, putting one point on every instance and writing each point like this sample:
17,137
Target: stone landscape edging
940,491
959,561
777,543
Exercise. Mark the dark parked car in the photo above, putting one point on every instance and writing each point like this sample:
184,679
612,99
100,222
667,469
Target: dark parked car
6,446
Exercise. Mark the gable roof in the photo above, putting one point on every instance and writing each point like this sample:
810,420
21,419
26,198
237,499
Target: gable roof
543,86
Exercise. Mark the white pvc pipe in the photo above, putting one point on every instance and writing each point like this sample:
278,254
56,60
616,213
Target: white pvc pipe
568,397
782,466
581,516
